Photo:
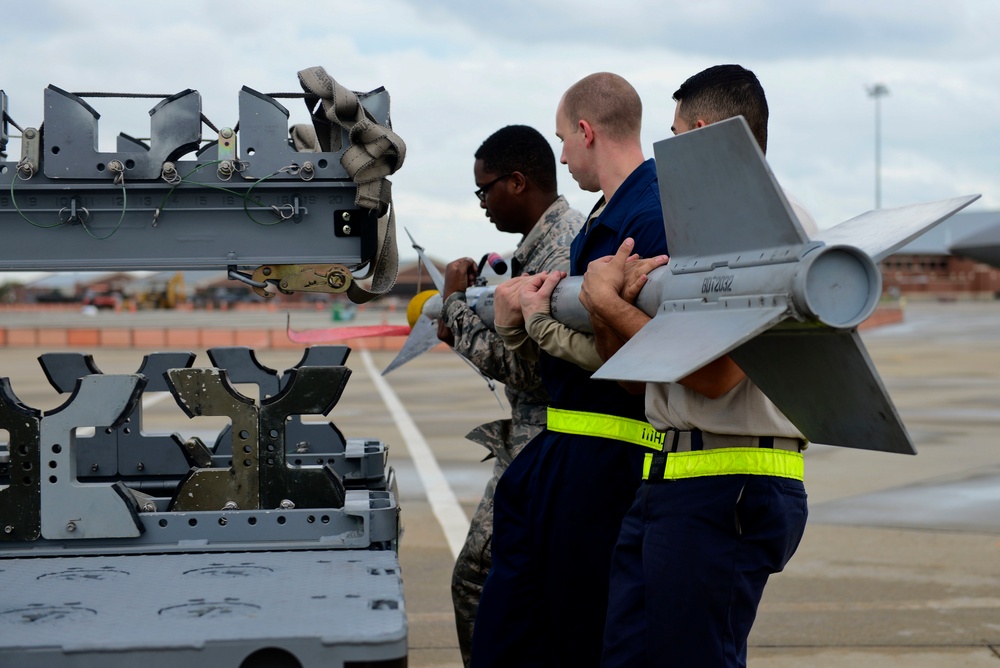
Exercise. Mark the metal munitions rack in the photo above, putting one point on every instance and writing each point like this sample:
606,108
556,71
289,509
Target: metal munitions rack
273,544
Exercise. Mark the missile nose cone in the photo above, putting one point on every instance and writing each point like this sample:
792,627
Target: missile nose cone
420,303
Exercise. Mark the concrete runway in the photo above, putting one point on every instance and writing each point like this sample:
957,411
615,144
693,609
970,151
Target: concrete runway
900,564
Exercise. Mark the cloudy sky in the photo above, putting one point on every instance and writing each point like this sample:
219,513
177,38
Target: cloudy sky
458,70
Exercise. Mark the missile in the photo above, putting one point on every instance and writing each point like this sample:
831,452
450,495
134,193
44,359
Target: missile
424,310
745,280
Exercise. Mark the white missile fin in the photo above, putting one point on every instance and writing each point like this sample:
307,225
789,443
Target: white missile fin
432,270
422,338
673,344
719,196
883,231
825,383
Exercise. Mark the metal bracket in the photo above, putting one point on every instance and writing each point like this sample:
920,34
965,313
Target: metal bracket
309,390
20,502
209,392
360,463
71,137
71,509
268,152
259,475
3,125
144,461
228,162
31,153
242,366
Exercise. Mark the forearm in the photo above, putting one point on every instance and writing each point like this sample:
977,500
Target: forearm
715,378
516,339
608,343
616,321
618,317
606,339
560,341
485,349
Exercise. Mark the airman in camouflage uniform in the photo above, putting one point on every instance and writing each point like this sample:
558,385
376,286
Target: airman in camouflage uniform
516,171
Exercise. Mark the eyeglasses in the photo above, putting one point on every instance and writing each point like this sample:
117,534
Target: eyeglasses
481,193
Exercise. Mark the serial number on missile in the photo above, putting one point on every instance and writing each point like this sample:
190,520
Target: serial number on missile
717,284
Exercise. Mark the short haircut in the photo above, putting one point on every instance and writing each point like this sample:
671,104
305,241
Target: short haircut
519,148
606,101
722,92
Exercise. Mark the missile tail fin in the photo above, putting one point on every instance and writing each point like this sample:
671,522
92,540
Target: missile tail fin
672,344
432,270
883,231
728,204
421,339
796,368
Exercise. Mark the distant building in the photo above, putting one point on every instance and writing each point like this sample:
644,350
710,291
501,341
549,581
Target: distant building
102,289
927,266
413,278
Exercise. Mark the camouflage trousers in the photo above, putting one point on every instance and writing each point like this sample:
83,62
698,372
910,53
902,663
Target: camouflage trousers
504,439
472,567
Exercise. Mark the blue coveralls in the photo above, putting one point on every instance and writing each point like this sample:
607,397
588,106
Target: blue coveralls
558,507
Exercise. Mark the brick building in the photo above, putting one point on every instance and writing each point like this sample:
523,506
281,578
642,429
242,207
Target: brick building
927,266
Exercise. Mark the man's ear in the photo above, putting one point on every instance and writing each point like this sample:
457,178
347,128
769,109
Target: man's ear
588,132
699,124
519,182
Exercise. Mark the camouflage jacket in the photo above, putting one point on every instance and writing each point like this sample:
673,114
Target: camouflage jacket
544,248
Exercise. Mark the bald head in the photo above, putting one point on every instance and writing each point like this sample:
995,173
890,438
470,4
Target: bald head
606,101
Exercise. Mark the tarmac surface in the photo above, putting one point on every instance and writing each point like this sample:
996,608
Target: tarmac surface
900,564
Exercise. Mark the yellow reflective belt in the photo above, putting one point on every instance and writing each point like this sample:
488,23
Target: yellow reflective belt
729,461
608,426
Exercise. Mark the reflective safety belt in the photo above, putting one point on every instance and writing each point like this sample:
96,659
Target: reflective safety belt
625,429
710,459
723,461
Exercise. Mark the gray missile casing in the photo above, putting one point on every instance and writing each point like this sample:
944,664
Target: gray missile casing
838,286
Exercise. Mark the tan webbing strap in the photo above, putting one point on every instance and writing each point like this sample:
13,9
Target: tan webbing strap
384,268
375,153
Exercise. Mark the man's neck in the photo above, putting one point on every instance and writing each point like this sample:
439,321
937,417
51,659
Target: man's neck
537,209
618,167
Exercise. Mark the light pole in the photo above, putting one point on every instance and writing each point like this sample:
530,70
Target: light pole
878,91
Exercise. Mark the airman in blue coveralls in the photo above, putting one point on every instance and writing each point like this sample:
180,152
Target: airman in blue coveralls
559,506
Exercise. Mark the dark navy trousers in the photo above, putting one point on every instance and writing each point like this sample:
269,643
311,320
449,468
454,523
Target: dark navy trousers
557,515
690,567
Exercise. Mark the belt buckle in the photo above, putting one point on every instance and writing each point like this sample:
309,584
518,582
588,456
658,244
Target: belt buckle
658,459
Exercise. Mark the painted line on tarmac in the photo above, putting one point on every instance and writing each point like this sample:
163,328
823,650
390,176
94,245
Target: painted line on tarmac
444,504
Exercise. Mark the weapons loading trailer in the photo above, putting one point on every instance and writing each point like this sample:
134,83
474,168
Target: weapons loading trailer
276,544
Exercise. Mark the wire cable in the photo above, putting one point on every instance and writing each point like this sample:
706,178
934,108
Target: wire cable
13,200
